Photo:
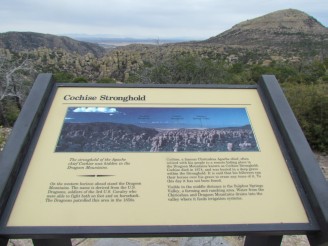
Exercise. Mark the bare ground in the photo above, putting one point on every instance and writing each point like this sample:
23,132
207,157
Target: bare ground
323,162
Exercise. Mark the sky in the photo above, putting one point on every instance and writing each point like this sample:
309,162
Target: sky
156,19
165,118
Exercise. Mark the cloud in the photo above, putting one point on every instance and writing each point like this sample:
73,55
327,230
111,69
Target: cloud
95,110
143,18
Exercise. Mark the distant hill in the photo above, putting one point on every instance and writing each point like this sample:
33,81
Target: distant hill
276,29
22,41
290,31
112,42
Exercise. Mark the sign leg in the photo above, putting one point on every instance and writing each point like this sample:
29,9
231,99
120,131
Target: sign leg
263,240
3,241
52,242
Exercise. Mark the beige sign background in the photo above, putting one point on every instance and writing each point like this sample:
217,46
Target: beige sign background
157,188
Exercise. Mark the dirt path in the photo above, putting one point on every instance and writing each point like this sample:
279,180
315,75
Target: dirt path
323,162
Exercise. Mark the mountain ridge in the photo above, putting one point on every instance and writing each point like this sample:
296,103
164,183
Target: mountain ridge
282,29
22,41
289,36
274,29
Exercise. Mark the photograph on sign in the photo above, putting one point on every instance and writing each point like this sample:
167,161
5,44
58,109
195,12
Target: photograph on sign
110,129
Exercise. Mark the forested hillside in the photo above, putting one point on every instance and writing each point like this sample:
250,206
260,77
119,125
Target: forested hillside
289,44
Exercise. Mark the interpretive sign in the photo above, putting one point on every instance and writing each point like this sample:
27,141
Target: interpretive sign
157,157
146,156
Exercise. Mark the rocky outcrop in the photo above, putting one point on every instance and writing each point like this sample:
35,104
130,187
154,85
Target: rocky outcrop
115,137
104,137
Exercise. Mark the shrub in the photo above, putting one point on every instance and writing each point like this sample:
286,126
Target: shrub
2,138
310,106
80,80
106,81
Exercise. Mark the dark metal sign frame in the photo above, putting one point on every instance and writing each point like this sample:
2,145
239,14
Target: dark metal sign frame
304,169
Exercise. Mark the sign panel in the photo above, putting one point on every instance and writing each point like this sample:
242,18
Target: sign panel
156,156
